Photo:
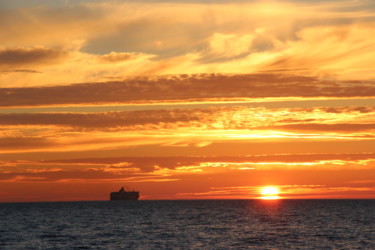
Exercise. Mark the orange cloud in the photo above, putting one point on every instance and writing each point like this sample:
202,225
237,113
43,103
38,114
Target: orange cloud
115,57
226,38
33,132
172,89
23,57
140,167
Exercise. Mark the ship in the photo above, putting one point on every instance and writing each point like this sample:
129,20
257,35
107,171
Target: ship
123,195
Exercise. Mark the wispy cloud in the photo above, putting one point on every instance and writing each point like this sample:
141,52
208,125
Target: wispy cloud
335,119
182,127
21,57
175,166
231,38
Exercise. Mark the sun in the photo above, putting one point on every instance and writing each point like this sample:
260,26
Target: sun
269,193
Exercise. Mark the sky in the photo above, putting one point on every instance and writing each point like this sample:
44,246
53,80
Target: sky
186,99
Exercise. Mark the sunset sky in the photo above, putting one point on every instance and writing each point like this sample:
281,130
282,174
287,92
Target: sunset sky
186,99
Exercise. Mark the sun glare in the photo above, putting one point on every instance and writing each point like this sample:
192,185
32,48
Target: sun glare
269,193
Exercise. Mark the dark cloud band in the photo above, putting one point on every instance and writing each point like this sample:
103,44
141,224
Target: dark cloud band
179,88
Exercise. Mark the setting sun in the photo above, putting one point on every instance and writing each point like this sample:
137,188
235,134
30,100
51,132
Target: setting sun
269,193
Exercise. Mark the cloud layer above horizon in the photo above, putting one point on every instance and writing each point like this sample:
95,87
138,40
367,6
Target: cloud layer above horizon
229,95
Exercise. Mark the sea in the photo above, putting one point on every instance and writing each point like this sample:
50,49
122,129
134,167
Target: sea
189,224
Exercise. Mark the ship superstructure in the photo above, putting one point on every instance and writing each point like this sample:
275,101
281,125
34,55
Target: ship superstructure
123,195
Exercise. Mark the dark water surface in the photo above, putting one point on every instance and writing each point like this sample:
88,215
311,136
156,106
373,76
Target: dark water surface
207,224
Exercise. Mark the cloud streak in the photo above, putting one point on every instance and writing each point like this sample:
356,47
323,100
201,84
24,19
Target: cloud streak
182,127
186,88
21,57
156,168
230,117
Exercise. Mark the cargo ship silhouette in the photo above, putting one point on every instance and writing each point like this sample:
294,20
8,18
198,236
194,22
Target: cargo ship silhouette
123,195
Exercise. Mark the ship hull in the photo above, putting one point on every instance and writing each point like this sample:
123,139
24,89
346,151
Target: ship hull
124,196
